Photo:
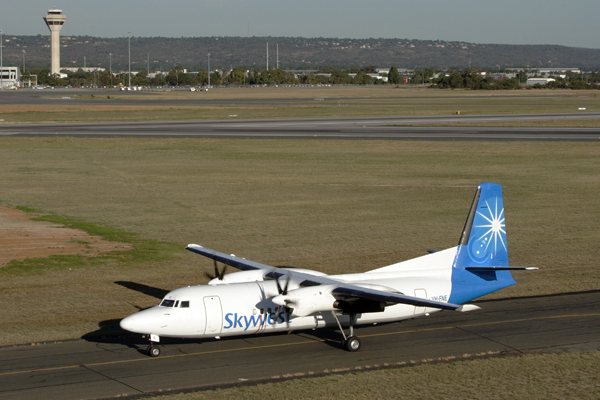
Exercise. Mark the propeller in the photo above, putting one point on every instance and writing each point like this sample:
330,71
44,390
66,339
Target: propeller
283,291
282,302
217,274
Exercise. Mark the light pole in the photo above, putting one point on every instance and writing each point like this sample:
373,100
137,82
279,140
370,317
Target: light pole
208,69
110,67
129,33
23,61
148,64
1,66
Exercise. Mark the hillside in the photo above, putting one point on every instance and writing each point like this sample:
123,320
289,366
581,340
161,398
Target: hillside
306,53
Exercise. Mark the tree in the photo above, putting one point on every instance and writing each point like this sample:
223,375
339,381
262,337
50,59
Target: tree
393,76
215,78
236,76
201,78
362,78
340,77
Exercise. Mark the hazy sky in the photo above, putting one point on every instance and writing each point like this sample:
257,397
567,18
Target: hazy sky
562,22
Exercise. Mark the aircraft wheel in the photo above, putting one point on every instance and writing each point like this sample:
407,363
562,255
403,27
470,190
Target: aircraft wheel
352,344
153,351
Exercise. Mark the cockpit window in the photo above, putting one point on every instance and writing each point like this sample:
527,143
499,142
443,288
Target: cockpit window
167,303
185,304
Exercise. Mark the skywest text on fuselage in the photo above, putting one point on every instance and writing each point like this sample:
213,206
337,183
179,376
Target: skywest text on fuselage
244,321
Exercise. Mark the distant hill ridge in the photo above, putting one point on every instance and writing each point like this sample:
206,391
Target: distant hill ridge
294,52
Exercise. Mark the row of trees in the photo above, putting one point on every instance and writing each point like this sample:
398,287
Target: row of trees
466,79
474,80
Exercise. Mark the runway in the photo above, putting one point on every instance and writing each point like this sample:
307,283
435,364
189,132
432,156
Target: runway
387,128
113,367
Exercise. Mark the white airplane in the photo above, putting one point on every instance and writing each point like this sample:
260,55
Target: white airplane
266,299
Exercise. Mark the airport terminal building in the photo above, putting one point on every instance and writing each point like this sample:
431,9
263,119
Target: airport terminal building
10,77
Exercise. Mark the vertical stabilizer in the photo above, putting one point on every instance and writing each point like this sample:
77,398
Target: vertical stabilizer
482,245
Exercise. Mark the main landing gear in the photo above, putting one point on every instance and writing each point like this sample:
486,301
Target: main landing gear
350,342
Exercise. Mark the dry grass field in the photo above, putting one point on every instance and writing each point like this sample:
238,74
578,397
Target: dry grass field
335,206
534,377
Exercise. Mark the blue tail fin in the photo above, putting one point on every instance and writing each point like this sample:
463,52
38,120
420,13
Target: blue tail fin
482,251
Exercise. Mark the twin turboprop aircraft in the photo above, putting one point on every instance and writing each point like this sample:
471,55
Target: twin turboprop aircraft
266,299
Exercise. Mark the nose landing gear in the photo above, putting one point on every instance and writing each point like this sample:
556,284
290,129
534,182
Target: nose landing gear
152,350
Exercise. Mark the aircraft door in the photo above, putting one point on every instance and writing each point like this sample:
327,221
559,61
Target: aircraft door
422,294
214,315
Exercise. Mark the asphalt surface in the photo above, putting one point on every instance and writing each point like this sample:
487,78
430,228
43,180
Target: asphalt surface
117,366
389,128
76,96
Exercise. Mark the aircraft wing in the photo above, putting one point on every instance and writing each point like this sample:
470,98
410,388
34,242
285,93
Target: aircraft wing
305,279
379,295
228,259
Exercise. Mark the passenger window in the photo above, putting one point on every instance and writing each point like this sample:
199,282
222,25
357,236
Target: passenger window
185,304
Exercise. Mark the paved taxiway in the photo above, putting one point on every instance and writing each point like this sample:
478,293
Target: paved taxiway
390,128
111,367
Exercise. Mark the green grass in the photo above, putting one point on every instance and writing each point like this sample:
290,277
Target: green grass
106,233
548,376
142,251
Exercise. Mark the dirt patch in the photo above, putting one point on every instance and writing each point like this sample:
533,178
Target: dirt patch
22,238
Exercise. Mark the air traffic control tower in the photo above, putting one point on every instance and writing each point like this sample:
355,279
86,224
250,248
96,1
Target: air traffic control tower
55,20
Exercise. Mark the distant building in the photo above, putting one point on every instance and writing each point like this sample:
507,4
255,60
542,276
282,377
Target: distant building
301,72
86,69
11,77
541,81
554,71
542,71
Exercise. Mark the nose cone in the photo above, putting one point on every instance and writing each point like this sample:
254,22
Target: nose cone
146,321
128,323
281,300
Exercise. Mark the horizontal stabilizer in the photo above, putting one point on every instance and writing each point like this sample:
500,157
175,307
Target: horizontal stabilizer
468,307
491,268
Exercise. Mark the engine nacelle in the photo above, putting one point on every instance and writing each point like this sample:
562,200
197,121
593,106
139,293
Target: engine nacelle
240,277
308,300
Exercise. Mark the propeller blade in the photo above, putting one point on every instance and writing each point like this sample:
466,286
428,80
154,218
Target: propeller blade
222,274
216,274
287,283
216,269
283,291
